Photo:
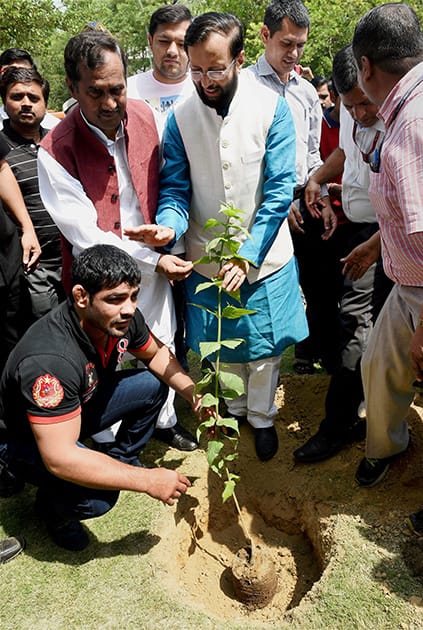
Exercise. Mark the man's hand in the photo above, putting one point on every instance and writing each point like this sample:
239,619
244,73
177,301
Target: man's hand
361,258
295,220
154,235
233,273
166,485
329,218
31,250
173,267
312,197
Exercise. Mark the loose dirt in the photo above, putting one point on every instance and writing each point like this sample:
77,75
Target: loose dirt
290,509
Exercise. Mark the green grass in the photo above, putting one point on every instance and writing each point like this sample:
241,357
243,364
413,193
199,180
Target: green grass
115,583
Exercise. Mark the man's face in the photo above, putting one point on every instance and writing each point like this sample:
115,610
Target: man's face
170,60
214,54
110,311
324,96
284,50
101,93
25,105
360,107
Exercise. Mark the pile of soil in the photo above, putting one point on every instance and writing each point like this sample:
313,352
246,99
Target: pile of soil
290,510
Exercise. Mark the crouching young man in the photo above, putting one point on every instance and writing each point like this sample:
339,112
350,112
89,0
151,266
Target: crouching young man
60,386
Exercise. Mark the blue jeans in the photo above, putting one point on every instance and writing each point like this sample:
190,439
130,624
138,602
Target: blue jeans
133,396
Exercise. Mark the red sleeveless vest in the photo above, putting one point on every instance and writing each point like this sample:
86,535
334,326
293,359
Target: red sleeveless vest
84,157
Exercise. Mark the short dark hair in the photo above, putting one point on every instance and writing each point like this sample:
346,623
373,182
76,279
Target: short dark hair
344,70
16,74
104,267
294,10
88,48
319,82
214,22
15,54
390,36
169,14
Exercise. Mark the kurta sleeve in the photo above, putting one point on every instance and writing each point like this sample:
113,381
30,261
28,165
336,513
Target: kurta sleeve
175,183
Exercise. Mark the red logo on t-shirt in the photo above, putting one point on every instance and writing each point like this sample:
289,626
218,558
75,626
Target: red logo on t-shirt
47,391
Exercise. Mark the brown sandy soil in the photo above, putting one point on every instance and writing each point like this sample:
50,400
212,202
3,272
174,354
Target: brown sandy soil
293,511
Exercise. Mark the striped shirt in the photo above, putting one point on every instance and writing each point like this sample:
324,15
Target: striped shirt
396,191
21,155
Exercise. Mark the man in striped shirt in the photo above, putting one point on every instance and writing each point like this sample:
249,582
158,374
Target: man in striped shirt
25,94
388,48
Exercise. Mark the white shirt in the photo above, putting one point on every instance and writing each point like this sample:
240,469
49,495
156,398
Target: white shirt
356,177
306,111
160,96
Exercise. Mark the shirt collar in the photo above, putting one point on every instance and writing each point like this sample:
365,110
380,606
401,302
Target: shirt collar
100,135
265,69
395,95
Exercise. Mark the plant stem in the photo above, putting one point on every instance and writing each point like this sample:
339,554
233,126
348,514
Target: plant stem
244,527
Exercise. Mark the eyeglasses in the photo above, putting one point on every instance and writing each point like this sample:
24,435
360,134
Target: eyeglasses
371,157
213,75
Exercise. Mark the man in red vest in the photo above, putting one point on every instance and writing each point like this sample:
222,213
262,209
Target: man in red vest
98,173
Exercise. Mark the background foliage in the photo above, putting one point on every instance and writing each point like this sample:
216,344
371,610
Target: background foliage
44,26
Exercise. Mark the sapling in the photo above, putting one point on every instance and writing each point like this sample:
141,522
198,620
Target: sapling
220,383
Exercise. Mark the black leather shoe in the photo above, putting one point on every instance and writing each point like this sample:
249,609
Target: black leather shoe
267,443
178,437
10,548
319,447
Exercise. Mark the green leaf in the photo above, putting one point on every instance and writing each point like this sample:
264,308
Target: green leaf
234,312
203,286
208,400
213,449
203,308
205,260
228,490
229,423
232,343
212,223
232,381
208,347
230,211
213,244
231,457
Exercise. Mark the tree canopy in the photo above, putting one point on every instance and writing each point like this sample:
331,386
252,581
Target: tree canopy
44,26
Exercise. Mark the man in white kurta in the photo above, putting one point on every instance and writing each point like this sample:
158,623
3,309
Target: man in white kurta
76,215
233,141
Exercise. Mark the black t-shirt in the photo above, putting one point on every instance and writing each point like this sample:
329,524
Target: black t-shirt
55,370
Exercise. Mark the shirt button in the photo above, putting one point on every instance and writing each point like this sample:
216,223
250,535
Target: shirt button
114,198
225,165
111,168
225,144
117,225
228,185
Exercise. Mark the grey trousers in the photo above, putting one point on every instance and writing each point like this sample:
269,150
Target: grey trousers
387,374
